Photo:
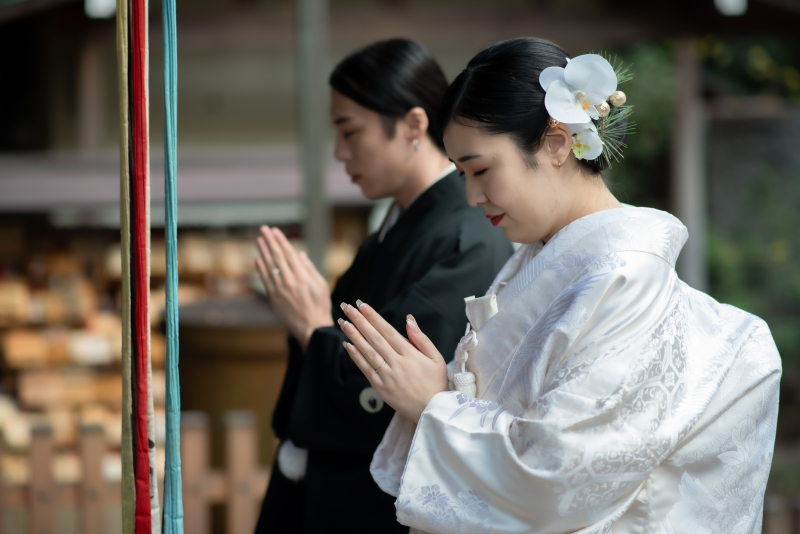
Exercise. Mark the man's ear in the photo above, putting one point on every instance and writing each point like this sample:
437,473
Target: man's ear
416,121
558,145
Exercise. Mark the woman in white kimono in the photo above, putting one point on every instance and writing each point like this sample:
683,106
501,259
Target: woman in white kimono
594,390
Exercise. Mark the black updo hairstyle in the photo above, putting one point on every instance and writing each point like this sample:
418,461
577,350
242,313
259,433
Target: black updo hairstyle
499,92
390,78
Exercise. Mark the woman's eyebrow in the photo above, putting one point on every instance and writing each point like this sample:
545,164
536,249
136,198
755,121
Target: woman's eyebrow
468,157
342,120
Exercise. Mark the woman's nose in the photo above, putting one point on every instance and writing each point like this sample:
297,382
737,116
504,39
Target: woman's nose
475,195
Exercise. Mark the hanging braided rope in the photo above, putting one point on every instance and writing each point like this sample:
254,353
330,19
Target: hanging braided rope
141,513
128,479
173,503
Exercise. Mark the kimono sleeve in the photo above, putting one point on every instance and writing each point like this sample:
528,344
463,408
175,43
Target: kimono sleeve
283,408
594,431
335,408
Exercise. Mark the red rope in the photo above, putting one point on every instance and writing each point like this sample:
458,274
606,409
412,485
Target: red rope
139,234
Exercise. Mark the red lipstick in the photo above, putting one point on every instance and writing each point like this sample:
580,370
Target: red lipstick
495,219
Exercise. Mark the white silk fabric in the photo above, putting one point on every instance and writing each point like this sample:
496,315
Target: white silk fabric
611,397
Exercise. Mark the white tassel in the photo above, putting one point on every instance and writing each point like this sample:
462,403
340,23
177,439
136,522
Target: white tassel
463,380
292,461
465,383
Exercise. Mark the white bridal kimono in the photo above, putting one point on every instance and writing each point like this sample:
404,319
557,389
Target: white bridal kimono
611,397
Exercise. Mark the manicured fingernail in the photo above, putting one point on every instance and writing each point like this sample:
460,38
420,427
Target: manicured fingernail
340,321
359,303
412,322
345,344
343,306
350,307
363,307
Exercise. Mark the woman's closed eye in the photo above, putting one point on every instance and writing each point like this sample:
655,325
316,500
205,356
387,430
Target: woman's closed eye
477,173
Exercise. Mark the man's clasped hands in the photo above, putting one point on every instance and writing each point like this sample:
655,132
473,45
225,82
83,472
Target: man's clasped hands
406,373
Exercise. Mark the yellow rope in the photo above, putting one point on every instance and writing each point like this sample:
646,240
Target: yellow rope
128,485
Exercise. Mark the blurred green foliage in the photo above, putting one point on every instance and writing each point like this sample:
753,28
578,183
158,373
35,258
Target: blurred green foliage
765,66
756,266
642,176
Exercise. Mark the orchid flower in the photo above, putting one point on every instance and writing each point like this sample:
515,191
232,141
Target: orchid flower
572,92
586,144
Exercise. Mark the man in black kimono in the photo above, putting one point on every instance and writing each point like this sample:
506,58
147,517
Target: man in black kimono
438,252
431,251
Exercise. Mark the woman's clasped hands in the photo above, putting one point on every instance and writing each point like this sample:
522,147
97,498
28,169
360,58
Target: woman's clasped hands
406,373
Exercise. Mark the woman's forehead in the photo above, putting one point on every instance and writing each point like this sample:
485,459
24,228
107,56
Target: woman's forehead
462,140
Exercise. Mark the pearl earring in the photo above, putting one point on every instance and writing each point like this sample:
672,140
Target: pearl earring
416,145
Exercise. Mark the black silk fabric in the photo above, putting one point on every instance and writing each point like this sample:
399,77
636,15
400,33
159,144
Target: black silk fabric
439,251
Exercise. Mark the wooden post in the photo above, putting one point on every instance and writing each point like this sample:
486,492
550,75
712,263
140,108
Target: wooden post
195,460
93,485
241,452
312,113
689,167
91,128
42,488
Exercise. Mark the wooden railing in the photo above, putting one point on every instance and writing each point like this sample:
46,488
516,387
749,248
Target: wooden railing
240,486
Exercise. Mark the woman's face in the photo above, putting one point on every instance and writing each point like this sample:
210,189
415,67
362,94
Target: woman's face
374,162
527,204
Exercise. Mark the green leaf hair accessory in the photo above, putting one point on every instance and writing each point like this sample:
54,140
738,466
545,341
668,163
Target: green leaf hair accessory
612,131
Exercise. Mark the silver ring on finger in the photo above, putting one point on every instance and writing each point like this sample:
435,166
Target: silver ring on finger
378,370
275,272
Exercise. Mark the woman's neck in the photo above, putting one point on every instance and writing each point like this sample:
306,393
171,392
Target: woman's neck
590,197
424,173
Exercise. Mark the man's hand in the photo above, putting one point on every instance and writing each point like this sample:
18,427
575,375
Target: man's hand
299,294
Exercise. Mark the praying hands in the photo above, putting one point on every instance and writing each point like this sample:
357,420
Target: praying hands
299,294
406,373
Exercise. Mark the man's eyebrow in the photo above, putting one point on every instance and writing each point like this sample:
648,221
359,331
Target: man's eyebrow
342,120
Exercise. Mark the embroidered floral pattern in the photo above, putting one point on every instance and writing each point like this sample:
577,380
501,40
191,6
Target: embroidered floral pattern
431,496
569,260
468,512
481,407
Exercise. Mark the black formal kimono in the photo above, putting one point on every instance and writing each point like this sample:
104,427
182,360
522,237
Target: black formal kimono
438,252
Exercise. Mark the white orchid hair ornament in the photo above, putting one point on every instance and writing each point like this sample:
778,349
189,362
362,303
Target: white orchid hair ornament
583,96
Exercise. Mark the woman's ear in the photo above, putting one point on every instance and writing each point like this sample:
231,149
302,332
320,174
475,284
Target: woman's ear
558,145
416,121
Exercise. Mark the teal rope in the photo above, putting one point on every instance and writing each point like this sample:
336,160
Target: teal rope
173,500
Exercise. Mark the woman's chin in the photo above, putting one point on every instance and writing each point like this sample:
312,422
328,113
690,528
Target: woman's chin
510,234
517,237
